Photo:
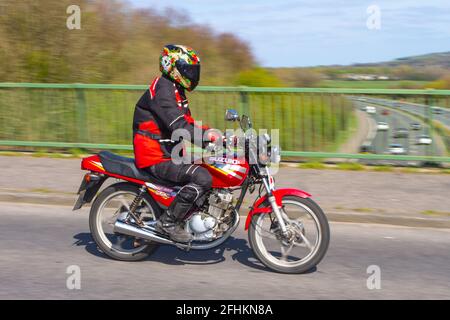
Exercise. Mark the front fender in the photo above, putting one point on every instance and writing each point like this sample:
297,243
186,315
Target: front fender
279,194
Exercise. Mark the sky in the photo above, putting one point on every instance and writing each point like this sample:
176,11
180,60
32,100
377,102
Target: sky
288,33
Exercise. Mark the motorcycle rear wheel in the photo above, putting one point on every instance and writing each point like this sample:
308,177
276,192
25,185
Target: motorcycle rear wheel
122,193
280,262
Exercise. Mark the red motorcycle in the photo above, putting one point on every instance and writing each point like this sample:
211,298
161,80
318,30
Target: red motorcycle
287,231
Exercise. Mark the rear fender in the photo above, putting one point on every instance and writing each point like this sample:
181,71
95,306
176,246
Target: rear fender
88,189
262,204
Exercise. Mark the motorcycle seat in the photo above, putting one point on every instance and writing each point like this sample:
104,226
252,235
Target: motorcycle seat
124,166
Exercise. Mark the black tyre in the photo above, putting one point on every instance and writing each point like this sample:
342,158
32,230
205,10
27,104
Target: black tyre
306,215
111,203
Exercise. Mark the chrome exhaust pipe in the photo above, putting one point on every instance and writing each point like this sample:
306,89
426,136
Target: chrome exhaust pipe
146,234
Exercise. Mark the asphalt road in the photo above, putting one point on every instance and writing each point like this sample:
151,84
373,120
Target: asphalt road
39,243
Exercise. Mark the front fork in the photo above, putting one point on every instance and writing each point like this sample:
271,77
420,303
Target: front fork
270,186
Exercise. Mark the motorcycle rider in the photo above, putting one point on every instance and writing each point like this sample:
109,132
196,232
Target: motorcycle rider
162,109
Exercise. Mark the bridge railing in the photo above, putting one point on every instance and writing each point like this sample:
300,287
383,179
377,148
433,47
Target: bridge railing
313,122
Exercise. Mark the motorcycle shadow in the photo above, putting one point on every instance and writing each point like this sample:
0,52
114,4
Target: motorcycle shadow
235,248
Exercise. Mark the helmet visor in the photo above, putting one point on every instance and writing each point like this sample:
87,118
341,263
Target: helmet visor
189,71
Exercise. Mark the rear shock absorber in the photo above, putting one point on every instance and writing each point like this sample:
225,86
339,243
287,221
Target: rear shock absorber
134,205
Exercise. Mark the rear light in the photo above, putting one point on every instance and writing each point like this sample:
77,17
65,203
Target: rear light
88,177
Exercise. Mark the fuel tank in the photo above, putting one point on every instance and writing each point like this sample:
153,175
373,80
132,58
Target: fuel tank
226,172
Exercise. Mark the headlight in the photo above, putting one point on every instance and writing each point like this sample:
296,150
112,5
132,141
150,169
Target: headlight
272,155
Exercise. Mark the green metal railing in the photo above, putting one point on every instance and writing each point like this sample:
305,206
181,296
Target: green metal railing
313,122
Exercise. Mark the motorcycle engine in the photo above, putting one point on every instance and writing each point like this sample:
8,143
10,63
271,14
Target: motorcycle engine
214,219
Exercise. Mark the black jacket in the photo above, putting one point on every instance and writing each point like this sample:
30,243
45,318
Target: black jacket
162,109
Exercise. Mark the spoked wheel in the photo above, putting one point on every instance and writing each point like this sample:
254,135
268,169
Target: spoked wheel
113,203
305,244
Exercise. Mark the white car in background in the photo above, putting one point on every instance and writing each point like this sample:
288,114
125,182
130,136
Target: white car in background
396,148
424,139
382,126
437,110
371,109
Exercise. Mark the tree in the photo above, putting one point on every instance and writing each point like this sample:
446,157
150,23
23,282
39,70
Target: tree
258,77
116,43
305,78
442,83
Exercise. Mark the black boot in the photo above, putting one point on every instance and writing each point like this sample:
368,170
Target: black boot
171,221
169,225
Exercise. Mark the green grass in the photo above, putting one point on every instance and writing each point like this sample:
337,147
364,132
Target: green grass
436,213
55,155
444,133
58,155
40,153
344,135
363,210
376,84
312,165
409,170
352,166
10,153
382,169
76,152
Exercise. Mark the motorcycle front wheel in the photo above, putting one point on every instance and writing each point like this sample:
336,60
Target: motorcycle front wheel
302,248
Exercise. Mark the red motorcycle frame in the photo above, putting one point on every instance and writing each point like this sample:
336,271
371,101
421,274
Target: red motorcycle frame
164,195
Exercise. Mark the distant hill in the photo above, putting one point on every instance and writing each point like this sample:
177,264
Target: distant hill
421,68
439,59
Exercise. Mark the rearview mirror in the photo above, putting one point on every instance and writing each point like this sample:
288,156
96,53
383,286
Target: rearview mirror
231,115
